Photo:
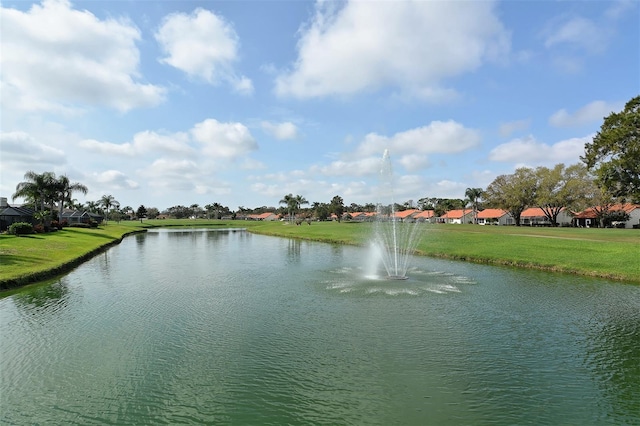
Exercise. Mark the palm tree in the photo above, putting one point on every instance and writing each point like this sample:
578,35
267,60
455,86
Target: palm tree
289,201
474,195
127,211
37,189
299,201
108,201
92,206
65,189
196,211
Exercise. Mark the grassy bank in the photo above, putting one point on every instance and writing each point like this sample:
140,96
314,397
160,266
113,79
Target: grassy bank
607,253
31,258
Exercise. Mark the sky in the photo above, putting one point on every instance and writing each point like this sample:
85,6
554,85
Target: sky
166,103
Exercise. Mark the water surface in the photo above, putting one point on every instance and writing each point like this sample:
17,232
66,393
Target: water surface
228,327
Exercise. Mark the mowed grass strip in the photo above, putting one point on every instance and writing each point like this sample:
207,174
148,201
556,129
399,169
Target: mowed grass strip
607,253
30,258
616,258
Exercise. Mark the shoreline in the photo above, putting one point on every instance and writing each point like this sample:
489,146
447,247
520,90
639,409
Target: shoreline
47,274
14,283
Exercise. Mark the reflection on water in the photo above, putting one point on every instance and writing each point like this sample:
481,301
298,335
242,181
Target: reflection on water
213,326
613,355
357,280
39,300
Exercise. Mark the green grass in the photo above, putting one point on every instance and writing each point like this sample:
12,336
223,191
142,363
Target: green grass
607,253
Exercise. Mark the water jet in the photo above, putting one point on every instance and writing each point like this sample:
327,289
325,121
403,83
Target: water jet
394,239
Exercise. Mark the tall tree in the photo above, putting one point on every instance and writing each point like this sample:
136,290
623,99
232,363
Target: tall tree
141,213
38,189
196,211
293,203
614,153
65,190
513,193
108,201
289,201
92,207
336,206
299,202
560,188
474,195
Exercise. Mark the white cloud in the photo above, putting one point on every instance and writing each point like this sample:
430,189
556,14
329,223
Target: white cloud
172,174
530,151
203,45
592,112
447,189
281,131
20,150
414,162
56,58
251,164
619,8
508,128
224,140
107,148
112,180
578,32
360,167
446,137
412,45
143,142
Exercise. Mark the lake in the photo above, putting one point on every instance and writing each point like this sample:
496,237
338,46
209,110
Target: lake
228,327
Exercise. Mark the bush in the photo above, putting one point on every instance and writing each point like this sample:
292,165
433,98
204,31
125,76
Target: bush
40,228
79,225
21,228
58,225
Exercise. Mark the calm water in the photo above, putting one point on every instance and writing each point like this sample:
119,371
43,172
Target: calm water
226,327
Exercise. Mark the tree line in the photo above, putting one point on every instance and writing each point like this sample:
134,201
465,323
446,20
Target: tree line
609,173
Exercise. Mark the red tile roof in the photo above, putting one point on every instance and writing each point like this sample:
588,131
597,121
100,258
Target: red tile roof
406,213
456,214
425,214
592,213
491,213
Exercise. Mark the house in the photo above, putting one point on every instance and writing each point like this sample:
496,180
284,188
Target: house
589,217
495,217
266,216
534,216
406,215
425,216
456,216
633,210
10,215
76,216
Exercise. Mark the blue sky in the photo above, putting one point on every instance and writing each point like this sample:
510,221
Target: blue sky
242,102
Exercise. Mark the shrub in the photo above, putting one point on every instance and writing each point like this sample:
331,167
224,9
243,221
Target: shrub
21,228
79,225
58,225
39,229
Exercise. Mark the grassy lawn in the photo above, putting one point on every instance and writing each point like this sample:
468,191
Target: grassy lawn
609,253
33,257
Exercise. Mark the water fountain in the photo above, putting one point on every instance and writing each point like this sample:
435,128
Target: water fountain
394,240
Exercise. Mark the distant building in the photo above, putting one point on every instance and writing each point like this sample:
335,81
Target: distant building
456,216
495,217
10,215
589,218
534,216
